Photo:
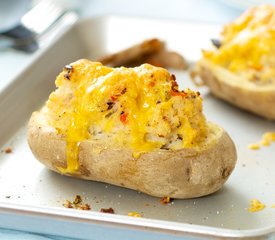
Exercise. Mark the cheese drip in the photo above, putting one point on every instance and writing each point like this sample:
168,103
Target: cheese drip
139,108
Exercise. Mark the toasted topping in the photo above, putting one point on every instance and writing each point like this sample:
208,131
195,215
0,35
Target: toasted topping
122,106
68,69
247,45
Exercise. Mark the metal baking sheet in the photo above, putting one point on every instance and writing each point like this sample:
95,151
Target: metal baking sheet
32,194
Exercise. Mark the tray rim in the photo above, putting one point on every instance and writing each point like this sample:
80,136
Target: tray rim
122,221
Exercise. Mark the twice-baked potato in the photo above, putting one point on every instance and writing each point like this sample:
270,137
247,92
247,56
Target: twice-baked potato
242,69
131,127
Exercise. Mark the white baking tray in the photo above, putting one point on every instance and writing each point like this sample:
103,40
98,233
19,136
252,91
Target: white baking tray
31,196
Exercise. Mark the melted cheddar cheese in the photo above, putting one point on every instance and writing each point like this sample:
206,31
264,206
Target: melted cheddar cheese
255,206
247,45
139,108
266,141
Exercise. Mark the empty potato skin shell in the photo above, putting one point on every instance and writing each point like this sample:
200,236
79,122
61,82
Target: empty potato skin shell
253,97
185,173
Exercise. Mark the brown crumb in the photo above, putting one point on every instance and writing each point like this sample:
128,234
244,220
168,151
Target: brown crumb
165,200
85,206
8,150
77,204
68,204
77,200
107,210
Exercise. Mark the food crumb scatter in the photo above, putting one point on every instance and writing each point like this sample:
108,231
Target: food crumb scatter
165,200
107,210
134,214
254,146
255,206
77,204
8,150
266,140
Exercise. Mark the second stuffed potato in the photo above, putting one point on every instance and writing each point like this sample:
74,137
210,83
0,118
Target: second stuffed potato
242,69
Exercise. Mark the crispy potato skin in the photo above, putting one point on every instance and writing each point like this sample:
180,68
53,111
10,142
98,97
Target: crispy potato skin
258,99
185,173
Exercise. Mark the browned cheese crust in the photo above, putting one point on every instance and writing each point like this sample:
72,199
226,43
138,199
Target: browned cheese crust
184,173
250,96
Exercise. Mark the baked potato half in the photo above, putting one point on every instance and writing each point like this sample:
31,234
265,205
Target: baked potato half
131,127
241,70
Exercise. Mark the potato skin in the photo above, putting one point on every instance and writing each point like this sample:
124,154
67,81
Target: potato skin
185,173
255,98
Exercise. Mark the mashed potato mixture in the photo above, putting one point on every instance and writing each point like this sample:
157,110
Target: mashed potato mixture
140,108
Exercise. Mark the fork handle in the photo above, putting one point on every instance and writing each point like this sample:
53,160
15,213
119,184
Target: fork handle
19,32
20,38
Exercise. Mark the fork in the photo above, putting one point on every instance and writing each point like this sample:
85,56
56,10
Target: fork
33,24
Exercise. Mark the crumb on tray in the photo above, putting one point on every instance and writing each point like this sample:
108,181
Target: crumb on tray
165,200
7,150
77,204
254,146
107,210
255,206
266,140
134,214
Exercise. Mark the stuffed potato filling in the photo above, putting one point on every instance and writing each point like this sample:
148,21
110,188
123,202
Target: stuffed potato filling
247,46
139,108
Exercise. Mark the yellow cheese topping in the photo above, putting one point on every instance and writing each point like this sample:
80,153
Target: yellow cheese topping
255,206
247,45
139,108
